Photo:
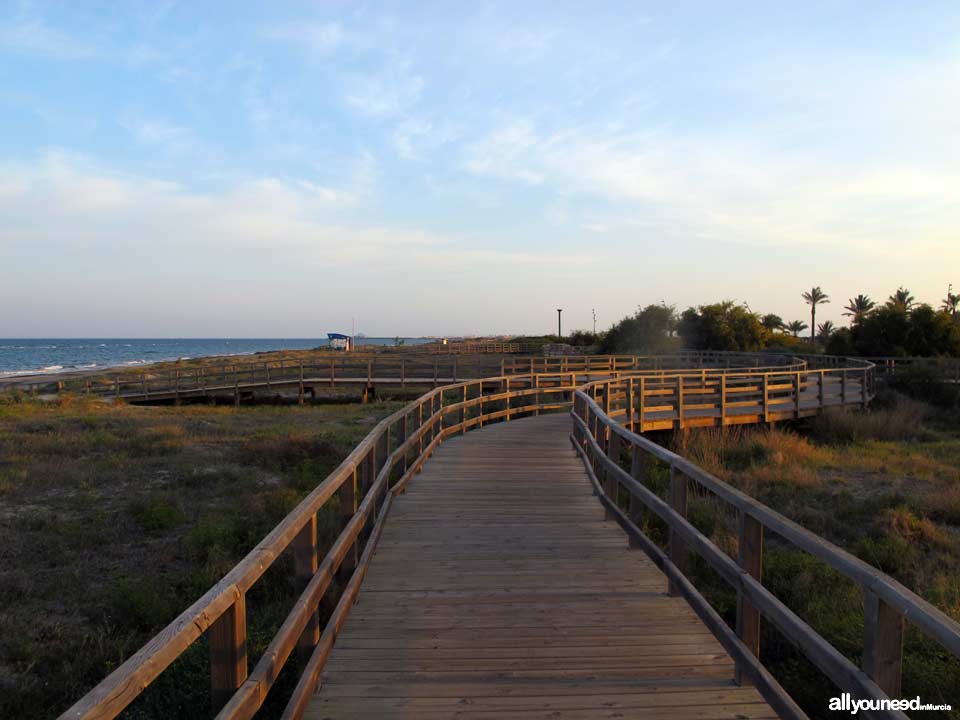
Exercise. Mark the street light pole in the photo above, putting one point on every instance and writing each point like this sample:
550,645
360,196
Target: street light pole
559,332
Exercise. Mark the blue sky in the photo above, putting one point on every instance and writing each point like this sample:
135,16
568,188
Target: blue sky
276,169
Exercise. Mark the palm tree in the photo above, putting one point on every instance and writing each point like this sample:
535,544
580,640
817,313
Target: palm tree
814,297
902,299
859,307
772,322
796,327
951,303
825,330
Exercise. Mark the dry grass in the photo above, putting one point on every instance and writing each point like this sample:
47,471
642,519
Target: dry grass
884,484
114,518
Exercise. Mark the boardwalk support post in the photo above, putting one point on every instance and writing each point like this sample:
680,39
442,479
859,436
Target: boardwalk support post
750,558
883,643
677,547
612,488
638,471
348,506
228,652
305,567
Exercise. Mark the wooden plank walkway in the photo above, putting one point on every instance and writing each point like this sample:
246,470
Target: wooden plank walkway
498,590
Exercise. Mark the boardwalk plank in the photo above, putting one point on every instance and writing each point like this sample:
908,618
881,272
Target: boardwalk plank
499,590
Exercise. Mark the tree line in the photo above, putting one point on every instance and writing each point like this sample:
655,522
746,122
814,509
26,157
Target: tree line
898,327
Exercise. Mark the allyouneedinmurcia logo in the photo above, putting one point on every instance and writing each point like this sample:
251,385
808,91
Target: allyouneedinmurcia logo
848,703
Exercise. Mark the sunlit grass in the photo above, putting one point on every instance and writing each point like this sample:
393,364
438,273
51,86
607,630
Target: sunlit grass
114,518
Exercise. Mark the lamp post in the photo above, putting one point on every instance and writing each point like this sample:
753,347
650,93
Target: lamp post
559,331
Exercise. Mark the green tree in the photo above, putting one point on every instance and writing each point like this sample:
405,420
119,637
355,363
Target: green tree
813,297
648,330
951,303
795,327
722,326
902,299
825,330
883,332
859,307
773,323
932,332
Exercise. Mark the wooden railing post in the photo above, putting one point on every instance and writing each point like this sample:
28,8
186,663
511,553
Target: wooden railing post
679,402
463,411
480,406
536,397
677,547
797,398
843,387
300,386
821,391
401,439
883,643
305,567
723,399
629,422
641,402
638,471
348,506
750,558
419,426
228,652
766,397
506,387
612,484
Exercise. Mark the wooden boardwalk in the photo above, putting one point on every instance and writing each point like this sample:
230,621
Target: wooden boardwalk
499,590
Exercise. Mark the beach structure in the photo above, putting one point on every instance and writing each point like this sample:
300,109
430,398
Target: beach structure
493,562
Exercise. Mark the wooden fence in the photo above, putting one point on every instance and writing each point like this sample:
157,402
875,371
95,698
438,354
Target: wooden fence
365,483
386,460
618,459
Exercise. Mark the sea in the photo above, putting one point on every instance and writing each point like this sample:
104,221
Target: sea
57,355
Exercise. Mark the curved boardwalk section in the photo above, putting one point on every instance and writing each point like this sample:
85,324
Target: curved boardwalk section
499,590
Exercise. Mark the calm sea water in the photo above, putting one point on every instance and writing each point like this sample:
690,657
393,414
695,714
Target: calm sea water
20,357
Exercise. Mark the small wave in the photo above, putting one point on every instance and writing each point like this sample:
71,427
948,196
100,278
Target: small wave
51,368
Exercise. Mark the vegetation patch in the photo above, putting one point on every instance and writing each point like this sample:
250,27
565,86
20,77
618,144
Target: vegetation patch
115,518
883,484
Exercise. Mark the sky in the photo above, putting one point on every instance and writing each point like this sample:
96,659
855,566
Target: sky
223,169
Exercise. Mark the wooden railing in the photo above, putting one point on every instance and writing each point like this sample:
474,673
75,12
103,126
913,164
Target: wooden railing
365,483
618,459
467,347
237,378
699,398
710,361
386,460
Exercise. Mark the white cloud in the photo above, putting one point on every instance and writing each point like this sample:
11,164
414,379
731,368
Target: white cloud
387,93
319,38
509,152
414,137
154,131
33,36
735,192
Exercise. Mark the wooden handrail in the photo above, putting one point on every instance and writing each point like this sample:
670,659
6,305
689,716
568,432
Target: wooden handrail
221,610
395,450
888,602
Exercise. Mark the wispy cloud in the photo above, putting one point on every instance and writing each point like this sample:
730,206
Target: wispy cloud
313,37
154,131
34,36
389,92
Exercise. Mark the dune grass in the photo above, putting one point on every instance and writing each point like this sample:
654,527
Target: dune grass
114,518
883,484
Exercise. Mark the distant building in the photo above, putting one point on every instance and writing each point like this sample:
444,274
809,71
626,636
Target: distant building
338,341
